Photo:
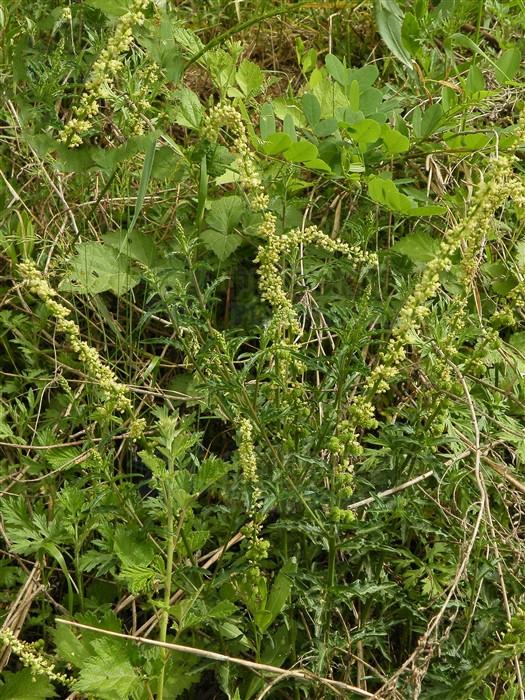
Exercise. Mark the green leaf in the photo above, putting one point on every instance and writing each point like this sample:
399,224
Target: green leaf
394,140
411,33
279,594
311,109
222,244
267,120
336,69
108,674
389,18
366,131
135,245
475,80
430,120
99,268
210,471
189,109
301,151
276,143
144,182
224,215
111,8
24,686
318,164
249,78
384,191
365,76
507,65
419,246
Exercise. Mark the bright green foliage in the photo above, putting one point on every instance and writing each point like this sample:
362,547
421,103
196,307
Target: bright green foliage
262,349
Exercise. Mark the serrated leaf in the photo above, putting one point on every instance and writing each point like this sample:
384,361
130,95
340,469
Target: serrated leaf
222,244
419,246
389,18
99,268
249,78
24,686
135,245
189,110
108,674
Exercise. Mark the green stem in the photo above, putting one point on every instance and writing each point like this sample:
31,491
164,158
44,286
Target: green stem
170,549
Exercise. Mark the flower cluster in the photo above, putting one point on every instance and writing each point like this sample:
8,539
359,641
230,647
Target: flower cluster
113,392
499,185
31,659
268,257
224,115
103,74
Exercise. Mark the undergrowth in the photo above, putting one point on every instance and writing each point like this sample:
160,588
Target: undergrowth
262,350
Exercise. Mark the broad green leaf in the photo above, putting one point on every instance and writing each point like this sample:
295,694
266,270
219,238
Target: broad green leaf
289,127
111,8
365,132
189,110
389,18
311,109
249,78
365,76
24,686
419,246
276,143
301,151
384,191
267,120
470,142
99,268
354,96
318,164
337,69
370,101
475,80
108,674
430,120
326,127
517,341
222,244
394,140
508,65
279,594
225,213
210,471
136,245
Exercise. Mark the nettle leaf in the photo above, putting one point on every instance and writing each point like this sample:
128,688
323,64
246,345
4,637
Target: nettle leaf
223,216
109,673
24,686
249,78
394,140
190,110
134,245
419,247
99,268
210,471
389,18
507,65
